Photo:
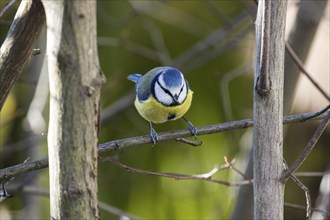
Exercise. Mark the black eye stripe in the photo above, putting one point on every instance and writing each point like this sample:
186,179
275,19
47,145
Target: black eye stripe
174,101
181,89
165,90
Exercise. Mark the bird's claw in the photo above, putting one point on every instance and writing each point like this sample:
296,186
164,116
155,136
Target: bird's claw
153,134
191,127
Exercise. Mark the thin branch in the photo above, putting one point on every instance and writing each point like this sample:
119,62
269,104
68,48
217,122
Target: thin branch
230,163
40,191
302,207
130,46
29,142
18,45
115,211
209,41
158,41
204,176
309,147
7,6
210,129
305,189
216,11
310,174
117,107
192,143
301,67
9,172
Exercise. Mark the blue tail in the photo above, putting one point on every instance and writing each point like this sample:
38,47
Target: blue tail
134,77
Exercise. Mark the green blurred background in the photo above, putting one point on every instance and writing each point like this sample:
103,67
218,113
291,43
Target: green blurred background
212,43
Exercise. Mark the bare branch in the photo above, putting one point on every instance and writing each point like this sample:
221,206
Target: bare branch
210,129
40,191
209,41
230,163
302,207
304,188
6,7
204,176
309,174
117,107
130,46
309,147
192,143
18,45
9,172
118,212
301,67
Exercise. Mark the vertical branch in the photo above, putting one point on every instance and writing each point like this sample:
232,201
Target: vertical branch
75,83
268,110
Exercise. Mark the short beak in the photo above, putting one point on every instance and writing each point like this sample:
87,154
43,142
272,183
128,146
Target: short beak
176,98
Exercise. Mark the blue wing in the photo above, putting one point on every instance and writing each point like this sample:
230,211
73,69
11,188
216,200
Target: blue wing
144,82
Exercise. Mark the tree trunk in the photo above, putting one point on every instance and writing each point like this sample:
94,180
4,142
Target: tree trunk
268,110
300,38
75,82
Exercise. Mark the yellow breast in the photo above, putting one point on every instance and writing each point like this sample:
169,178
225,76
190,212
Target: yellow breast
153,111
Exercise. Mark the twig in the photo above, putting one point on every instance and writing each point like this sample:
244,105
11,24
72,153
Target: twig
40,191
319,113
118,212
302,207
309,147
301,67
217,12
230,163
304,188
130,46
6,7
158,41
310,174
204,176
192,143
9,172
209,41
117,107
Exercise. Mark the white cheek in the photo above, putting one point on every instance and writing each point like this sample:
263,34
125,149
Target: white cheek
162,96
183,94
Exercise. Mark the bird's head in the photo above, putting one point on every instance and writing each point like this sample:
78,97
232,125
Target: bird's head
170,87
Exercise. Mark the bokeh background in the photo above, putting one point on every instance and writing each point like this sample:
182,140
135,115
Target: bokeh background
212,43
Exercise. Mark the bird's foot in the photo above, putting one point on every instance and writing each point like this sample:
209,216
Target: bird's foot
153,134
191,127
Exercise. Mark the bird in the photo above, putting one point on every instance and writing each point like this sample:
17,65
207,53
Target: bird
162,94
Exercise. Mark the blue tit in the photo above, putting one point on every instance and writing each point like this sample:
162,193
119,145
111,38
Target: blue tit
162,94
